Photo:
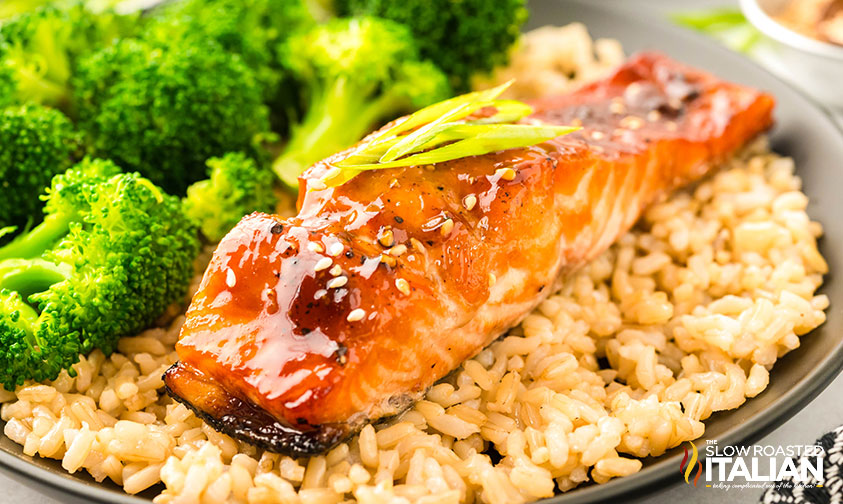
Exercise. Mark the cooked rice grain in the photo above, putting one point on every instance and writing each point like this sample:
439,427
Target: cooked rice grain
551,60
682,318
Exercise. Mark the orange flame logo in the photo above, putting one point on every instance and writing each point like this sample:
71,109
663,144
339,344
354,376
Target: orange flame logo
686,467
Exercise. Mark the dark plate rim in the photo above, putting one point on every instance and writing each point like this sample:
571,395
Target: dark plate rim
782,408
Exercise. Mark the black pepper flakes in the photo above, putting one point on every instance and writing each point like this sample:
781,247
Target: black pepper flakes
399,220
341,352
276,229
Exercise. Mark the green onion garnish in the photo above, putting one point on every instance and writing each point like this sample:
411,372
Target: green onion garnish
441,132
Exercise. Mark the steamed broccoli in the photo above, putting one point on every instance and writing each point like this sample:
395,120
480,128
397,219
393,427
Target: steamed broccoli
164,110
112,253
38,50
36,143
249,28
463,37
236,186
10,8
356,73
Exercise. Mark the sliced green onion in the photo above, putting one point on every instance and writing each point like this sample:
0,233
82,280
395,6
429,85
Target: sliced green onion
444,132
431,112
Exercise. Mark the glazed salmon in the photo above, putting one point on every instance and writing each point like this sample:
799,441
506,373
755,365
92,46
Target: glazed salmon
304,329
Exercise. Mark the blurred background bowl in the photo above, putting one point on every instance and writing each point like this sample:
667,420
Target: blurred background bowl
817,65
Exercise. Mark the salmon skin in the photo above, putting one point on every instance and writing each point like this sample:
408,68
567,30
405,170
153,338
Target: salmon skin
304,329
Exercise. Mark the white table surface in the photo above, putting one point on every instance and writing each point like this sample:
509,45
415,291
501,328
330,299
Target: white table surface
821,415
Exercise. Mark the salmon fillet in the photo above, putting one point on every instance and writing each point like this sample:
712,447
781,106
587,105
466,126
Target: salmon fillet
305,329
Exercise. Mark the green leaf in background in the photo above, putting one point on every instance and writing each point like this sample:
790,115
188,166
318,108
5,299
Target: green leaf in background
727,25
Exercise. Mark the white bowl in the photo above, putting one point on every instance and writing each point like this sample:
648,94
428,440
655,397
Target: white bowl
813,65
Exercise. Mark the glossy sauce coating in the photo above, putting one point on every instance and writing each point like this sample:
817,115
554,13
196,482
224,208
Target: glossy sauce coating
376,289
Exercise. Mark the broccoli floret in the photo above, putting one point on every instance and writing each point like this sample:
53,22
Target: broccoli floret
11,8
37,143
356,73
463,37
38,50
164,110
236,186
112,253
249,28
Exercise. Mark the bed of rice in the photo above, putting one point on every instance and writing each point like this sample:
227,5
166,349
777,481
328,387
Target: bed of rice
683,317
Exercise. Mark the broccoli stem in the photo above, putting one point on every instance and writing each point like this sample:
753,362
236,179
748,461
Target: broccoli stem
28,276
44,73
337,117
39,239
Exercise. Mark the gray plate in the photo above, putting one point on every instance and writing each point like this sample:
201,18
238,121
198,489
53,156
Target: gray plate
803,131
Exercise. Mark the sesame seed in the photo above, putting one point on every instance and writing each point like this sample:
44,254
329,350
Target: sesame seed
492,279
317,184
335,249
323,264
315,247
397,250
417,244
386,238
388,260
617,107
631,122
597,135
230,278
505,173
336,270
634,88
447,227
403,286
355,315
319,294
336,283
469,201
653,115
